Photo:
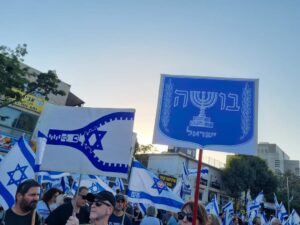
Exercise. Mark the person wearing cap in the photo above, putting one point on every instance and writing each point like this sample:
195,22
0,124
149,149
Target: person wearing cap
23,211
60,215
102,208
119,216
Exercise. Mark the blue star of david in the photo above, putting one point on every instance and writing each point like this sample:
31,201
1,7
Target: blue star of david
95,188
22,177
99,135
159,185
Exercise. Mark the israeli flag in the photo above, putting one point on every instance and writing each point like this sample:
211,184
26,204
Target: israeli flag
119,185
93,183
282,213
263,219
83,140
229,211
204,171
16,167
145,187
294,219
277,206
213,207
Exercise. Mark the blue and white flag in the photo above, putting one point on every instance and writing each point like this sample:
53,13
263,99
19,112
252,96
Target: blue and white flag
16,167
186,186
293,219
229,212
93,183
277,206
204,172
212,207
119,185
193,112
86,140
282,213
145,187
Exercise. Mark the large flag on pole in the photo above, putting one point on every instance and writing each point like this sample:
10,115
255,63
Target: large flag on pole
87,140
16,167
144,187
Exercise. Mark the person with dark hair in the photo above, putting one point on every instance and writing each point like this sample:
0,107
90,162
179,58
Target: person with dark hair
48,202
185,216
119,216
61,214
256,221
23,211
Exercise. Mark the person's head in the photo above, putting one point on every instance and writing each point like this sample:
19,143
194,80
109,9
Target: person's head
212,219
102,206
151,211
276,221
27,195
256,221
51,195
81,197
120,202
185,217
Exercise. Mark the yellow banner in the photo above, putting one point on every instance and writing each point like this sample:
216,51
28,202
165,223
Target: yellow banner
32,102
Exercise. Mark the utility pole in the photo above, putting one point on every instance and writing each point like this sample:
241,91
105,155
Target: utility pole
288,194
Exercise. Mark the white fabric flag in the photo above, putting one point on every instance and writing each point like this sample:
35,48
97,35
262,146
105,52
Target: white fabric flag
87,140
16,167
144,187
213,207
294,219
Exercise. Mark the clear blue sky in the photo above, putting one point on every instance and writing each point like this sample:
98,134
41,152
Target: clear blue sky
113,52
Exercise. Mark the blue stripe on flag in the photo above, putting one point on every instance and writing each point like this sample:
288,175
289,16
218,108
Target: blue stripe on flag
6,194
156,199
137,164
26,152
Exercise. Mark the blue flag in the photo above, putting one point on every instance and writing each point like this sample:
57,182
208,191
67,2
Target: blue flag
119,184
194,112
145,187
213,207
16,167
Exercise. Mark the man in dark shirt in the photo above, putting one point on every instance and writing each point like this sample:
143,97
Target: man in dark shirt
23,211
61,214
119,216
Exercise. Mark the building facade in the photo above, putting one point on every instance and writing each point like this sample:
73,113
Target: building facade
21,117
277,160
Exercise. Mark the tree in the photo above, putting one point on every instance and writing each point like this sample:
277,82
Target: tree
16,80
248,172
294,190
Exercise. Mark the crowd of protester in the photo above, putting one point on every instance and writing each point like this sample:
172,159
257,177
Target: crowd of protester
103,208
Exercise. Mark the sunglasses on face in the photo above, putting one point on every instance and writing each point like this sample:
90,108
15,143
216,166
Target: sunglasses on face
98,203
189,216
83,197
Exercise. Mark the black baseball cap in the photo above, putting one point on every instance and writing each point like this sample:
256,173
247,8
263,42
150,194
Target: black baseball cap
120,197
101,197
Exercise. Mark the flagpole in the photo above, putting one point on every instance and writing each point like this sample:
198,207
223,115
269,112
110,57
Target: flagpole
198,180
76,194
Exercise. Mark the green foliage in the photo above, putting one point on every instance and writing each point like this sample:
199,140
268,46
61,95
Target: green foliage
16,81
294,189
248,172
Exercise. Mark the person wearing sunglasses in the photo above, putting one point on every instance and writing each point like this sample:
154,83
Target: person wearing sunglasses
185,216
102,206
60,215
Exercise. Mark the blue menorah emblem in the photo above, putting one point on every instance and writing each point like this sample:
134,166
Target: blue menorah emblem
88,140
